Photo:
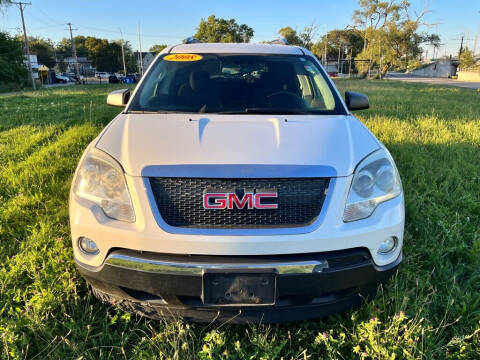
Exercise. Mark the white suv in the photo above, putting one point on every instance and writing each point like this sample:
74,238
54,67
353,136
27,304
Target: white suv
236,185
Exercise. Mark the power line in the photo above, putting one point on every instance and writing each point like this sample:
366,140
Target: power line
125,33
21,6
48,17
47,24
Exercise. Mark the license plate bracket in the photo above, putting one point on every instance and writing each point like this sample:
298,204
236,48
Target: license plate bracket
245,288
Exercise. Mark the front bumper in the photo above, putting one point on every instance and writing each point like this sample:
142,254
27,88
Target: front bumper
306,285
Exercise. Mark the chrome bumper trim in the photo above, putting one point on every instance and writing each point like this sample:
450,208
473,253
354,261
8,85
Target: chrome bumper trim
197,269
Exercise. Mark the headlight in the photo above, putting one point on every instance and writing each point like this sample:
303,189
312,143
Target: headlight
375,180
101,180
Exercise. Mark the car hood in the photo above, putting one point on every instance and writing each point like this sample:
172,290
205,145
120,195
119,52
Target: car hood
141,141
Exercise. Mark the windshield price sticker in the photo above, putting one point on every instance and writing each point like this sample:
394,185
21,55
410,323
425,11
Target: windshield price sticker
183,57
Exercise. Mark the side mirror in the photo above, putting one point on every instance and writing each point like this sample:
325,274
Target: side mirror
118,97
356,101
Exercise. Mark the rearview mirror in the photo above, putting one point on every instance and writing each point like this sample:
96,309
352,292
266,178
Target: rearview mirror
118,97
356,101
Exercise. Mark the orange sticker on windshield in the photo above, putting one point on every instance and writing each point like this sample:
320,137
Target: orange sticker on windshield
183,57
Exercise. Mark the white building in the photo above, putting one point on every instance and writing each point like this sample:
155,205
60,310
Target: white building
35,66
84,65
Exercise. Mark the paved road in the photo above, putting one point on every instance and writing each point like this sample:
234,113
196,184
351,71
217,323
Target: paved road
439,81
58,85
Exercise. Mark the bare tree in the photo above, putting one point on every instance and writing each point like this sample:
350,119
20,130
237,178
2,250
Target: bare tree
4,4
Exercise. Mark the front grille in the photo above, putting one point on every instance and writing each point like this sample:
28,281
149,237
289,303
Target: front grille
180,202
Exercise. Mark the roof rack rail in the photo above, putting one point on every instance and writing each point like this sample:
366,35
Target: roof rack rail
191,40
278,41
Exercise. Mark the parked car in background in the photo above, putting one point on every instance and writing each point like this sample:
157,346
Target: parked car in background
112,79
71,76
61,78
102,74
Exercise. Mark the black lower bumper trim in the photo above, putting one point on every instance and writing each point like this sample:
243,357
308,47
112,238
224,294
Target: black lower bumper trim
298,296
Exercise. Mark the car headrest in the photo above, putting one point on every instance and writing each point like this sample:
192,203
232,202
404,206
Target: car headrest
199,80
279,79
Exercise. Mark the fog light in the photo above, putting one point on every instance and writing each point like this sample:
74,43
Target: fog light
388,245
88,246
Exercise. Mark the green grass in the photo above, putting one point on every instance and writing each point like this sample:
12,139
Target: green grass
430,309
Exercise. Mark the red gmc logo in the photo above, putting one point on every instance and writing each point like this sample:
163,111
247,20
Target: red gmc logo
228,200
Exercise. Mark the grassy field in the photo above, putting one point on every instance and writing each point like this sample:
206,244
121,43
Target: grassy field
430,309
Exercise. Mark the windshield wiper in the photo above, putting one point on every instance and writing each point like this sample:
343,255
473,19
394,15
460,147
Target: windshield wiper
273,111
277,111
140,112
268,111
158,112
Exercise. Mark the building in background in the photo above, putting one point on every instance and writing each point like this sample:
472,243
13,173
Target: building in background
440,68
84,65
34,62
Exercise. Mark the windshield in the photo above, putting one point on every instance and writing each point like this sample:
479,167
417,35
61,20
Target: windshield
221,83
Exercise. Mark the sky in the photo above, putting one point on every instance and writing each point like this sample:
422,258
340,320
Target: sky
170,21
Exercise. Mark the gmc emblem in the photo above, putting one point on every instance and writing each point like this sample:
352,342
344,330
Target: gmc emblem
229,200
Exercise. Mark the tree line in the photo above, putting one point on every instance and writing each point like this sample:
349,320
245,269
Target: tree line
105,55
384,34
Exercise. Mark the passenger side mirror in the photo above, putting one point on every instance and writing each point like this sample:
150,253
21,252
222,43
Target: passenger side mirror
118,97
356,101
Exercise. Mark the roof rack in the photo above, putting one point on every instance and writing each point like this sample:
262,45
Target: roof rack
191,40
278,41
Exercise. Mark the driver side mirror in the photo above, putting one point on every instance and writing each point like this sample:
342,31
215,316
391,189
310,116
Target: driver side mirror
118,97
356,101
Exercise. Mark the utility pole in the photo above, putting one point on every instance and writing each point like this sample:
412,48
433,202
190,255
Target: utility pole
339,52
476,38
475,42
462,41
140,50
123,56
380,56
326,44
54,51
74,51
21,6
350,63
